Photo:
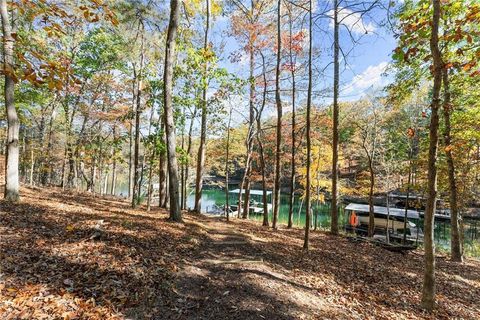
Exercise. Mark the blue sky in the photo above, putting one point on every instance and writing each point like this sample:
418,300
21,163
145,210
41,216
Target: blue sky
366,62
367,65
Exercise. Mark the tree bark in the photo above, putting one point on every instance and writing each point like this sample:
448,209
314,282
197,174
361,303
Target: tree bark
71,166
309,145
203,130
175,213
131,150
250,138
244,215
183,192
336,81
260,145
246,207
150,187
105,181
100,171
114,177
370,153
292,160
162,175
32,165
428,291
407,199
138,112
278,101
47,171
114,164
371,213
456,244
189,154
245,185
12,185
227,206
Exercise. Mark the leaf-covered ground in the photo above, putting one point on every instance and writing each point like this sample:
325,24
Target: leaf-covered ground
67,256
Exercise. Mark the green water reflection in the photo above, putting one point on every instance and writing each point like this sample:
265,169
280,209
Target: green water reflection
212,197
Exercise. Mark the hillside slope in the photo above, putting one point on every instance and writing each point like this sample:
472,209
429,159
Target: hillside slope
77,257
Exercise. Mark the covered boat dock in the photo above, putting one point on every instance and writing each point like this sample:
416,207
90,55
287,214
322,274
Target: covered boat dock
256,198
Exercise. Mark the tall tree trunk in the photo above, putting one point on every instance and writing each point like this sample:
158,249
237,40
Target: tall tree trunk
189,156
141,178
150,187
371,213
245,184
317,178
136,146
407,199
292,161
131,149
51,173
100,167
244,181
114,177
32,165
370,153
114,164
166,204
46,174
93,174
278,173
175,213
248,170
203,130
105,181
246,206
67,179
456,244
144,160
182,173
227,206
200,161
260,145
428,291
64,165
162,175
137,186
264,183
12,185
308,215
100,175
336,81
71,167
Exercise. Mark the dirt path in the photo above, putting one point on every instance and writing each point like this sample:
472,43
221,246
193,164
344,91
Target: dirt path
72,256
244,271
230,273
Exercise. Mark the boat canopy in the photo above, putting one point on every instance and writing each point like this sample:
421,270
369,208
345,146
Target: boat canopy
394,212
252,192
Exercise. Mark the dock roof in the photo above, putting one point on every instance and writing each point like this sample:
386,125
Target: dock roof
394,212
252,192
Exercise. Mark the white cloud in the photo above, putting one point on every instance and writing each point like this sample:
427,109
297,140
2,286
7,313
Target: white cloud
353,21
221,18
244,60
371,78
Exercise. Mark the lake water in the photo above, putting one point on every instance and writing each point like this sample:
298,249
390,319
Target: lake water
213,197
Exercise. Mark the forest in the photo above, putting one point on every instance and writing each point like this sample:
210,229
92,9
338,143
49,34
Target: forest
257,159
